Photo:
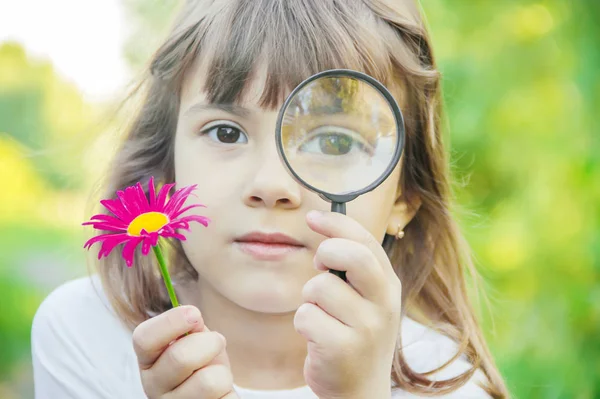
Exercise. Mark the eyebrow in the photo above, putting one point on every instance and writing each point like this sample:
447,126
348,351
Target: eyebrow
233,109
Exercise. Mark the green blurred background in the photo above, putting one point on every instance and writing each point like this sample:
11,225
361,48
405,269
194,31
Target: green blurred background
522,88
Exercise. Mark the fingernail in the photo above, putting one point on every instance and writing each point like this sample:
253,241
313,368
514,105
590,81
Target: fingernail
192,315
314,215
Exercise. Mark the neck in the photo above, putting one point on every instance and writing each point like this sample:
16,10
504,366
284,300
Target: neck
264,350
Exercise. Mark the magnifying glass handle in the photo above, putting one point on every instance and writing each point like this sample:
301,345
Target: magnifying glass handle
338,207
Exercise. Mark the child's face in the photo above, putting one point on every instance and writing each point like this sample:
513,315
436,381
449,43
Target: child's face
246,189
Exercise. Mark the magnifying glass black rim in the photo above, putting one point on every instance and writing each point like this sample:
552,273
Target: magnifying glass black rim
399,128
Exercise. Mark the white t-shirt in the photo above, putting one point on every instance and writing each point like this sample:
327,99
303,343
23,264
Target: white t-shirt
81,351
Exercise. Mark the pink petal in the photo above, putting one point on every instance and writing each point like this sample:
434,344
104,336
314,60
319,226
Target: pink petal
150,239
167,229
129,250
141,199
180,224
174,235
146,246
154,239
108,219
162,196
95,239
117,208
105,226
126,203
152,193
178,199
129,198
200,219
183,223
187,208
110,243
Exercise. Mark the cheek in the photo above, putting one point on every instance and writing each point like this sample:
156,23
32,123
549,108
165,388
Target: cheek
217,177
216,191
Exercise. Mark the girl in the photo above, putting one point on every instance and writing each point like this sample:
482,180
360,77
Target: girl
267,324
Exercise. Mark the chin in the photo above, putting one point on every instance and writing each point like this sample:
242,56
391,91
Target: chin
263,290
269,294
273,287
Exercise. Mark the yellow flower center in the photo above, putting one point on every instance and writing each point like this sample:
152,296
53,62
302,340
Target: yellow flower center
149,221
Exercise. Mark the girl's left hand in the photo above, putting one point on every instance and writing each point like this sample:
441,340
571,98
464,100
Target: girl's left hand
351,327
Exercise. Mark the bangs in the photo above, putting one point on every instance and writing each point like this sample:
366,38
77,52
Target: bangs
290,40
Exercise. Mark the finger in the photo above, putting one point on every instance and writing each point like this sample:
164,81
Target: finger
336,298
153,336
360,264
211,382
222,357
317,326
337,225
182,358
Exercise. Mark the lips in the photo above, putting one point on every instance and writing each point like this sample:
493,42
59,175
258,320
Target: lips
269,238
268,246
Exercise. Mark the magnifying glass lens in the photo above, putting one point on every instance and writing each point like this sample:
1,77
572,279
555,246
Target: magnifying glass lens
338,134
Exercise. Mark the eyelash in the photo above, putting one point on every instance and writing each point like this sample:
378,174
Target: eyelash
223,124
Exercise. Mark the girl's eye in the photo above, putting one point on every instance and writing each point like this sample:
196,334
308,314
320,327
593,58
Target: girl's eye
225,133
334,140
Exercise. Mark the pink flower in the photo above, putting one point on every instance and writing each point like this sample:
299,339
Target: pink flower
137,220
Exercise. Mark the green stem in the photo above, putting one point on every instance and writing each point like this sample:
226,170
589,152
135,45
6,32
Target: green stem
165,274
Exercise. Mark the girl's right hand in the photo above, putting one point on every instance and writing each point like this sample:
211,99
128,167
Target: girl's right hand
177,366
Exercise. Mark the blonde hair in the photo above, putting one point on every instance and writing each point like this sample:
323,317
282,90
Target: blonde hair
383,38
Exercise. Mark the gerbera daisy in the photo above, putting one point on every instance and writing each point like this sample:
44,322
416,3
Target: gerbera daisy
140,220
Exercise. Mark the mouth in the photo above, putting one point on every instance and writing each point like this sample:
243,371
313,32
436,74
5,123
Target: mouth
268,246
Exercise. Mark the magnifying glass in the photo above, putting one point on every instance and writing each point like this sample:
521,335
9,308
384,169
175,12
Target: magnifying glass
340,134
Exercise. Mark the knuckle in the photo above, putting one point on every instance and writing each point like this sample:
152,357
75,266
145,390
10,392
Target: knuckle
148,385
302,316
302,312
368,239
323,247
363,255
308,291
318,287
213,381
205,346
397,284
394,301
371,326
142,342
177,355
329,245
345,348
215,343
174,317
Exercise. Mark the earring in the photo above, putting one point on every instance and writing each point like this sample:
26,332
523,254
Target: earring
400,233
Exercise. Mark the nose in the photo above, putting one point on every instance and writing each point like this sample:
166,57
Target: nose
271,186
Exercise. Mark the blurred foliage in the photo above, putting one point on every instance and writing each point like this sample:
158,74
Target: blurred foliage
522,90
521,87
149,19
45,114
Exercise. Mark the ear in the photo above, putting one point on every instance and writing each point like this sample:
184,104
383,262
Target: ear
403,211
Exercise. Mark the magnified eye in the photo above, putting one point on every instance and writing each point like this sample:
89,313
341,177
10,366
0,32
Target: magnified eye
225,132
335,140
